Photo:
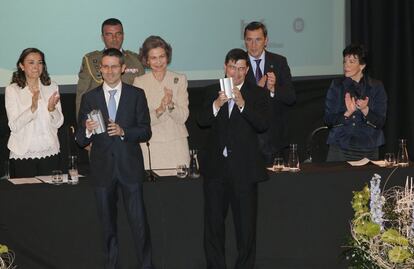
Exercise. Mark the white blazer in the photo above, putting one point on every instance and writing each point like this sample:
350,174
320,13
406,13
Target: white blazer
33,135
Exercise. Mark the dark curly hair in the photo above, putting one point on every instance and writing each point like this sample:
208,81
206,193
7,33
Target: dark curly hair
357,50
153,42
19,76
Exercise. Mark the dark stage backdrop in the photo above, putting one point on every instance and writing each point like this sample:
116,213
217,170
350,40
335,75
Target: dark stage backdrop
386,29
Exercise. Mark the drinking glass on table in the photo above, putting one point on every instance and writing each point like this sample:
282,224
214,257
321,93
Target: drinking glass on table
6,170
181,171
278,164
293,161
389,159
73,175
57,177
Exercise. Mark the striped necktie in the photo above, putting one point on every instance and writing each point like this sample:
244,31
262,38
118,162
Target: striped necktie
258,74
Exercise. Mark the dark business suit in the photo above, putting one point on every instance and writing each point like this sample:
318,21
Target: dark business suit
117,163
276,138
232,180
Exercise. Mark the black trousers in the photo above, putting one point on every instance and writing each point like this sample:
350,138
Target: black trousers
218,196
132,195
34,167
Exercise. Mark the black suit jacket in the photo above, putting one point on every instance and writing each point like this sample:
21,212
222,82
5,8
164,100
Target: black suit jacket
277,135
111,156
238,133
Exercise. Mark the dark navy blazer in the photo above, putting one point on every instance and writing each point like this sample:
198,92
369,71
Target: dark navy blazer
111,154
357,131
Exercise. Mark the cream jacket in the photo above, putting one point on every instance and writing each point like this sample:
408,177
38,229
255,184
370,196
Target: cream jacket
33,135
171,124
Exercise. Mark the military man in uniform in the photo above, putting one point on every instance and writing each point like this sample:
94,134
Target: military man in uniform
90,75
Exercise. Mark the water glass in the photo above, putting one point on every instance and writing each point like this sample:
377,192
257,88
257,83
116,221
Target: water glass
57,177
6,170
389,159
293,161
73,170
278,164
402,157
181,171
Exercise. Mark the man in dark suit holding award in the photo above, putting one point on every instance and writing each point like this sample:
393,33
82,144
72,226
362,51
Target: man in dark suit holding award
233,163
116,159
270,71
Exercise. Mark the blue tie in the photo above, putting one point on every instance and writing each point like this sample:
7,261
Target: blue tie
258,74
112,105
230,104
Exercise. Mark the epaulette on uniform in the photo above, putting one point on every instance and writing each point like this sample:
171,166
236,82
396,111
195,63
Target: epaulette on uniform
92,60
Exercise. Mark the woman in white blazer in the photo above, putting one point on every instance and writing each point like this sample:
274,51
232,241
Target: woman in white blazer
34,113
167,97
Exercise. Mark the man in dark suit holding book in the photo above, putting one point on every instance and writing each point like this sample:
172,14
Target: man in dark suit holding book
116,159
233,162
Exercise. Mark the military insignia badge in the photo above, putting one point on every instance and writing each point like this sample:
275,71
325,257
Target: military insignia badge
131,70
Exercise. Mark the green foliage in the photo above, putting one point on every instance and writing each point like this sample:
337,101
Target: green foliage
393,237
3,249
360,201
398,254
397,248
367,228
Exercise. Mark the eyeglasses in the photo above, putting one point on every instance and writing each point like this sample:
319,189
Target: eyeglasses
110,67
237,68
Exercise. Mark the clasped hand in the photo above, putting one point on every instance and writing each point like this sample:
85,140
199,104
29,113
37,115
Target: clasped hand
51,104
353,104
53,101
268,80
113,128
165,101
222,98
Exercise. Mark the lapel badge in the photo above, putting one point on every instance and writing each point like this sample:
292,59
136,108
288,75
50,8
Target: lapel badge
175,80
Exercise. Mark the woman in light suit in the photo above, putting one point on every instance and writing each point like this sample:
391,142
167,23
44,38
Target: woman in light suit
34,113
167,98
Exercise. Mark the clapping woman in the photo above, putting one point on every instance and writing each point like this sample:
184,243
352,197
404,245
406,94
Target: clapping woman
34,114
167,96
355,109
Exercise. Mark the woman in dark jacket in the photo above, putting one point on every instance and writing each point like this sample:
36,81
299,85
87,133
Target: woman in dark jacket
355,110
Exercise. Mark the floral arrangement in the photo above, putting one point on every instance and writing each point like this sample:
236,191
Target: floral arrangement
382,229
6,258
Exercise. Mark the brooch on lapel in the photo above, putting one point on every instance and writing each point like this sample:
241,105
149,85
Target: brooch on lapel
175,80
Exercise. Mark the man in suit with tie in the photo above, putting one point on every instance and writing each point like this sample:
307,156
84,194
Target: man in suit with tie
270,71
233,163
116,159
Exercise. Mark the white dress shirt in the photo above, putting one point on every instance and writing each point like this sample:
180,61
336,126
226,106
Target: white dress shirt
117,96
106,88
261,65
